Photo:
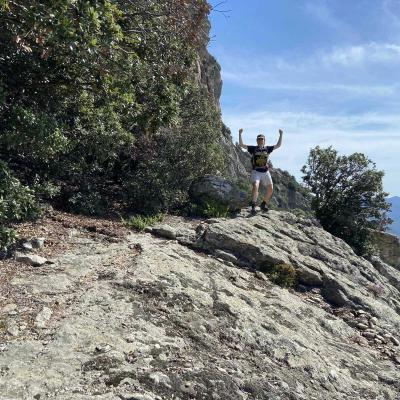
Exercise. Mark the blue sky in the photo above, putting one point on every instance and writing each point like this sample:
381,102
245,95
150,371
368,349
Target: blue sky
325,71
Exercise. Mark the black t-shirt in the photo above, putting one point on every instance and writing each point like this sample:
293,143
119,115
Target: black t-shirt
259,159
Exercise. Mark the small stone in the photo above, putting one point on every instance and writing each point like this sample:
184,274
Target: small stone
333,375
159,377
31,259
188,389
361,313
362,327
9,307
12,313
43,318
136,396
284,385
368,334
373,321
395,341
12,328
37,243
127,381
225,256
27,246
212,221
387,352
164,231
130,339
261,276
387,336
103,348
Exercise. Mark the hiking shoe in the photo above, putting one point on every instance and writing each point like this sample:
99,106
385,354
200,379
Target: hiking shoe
253,208
264,206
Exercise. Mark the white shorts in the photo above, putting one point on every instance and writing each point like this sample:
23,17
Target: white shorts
264,177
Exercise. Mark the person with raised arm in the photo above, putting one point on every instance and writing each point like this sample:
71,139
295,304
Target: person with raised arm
260,173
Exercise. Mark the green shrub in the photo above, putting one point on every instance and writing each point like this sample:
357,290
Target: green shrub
17,203
89,203
208,209
140,222
46,190
283,275
110,96
213,209
7,237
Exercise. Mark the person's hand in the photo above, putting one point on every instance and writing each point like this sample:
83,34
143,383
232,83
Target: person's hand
280,131
240,131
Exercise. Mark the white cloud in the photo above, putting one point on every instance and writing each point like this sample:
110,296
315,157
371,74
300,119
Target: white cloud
259,80
345,133
371,69
376,53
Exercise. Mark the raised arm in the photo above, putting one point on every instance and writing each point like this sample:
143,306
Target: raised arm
278,144
241,144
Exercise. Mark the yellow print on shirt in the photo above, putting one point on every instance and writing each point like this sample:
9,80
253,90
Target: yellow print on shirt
260,159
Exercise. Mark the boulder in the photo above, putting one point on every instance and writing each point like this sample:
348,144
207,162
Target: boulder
218,190
389,247
31,259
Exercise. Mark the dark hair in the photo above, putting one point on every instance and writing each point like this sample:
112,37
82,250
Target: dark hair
260,137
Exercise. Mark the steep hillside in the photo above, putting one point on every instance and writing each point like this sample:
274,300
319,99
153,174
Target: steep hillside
188,310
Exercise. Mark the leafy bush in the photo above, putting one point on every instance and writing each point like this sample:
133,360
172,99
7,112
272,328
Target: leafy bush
281,274
348,199
90,203
17,203
210,209
187,149
7,237
106,92
140,222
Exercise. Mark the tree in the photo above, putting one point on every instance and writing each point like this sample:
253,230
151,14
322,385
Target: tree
88,87
348,199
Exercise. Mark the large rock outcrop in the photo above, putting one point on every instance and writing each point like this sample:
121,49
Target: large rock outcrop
217,190
388,246
185,311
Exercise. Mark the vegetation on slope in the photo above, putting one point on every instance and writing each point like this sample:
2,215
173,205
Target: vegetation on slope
348,199
99,103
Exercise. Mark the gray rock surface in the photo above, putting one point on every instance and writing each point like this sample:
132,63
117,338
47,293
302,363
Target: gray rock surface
218,189
388,247
175,319
31,259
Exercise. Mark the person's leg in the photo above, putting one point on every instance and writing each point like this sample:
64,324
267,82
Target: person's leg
268,193
255,180
269,188
254,192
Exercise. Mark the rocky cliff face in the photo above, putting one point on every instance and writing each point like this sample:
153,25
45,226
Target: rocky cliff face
185,311
388,247
288,193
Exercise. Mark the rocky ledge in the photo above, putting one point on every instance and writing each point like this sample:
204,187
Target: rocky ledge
185,311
